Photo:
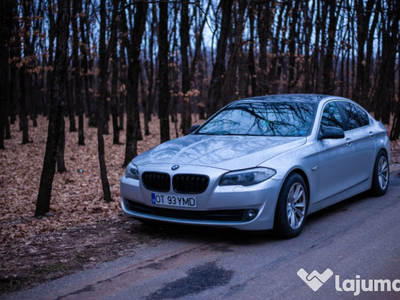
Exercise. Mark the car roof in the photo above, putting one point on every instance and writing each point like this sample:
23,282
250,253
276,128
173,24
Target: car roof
303,98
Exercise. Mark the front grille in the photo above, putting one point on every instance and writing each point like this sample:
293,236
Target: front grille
233,215
189,183
182,183
154,181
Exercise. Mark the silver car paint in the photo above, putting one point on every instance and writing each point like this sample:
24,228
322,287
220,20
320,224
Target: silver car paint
330,179
223,152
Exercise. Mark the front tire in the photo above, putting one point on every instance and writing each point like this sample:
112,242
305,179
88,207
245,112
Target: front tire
291,208
380,178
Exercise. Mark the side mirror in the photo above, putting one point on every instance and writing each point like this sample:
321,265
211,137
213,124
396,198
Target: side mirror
328,132
193,128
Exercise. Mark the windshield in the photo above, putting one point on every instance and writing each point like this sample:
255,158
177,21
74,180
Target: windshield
262,118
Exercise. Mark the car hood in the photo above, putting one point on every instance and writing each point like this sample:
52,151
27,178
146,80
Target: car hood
224,152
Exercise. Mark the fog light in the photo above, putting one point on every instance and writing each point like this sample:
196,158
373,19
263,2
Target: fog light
249,214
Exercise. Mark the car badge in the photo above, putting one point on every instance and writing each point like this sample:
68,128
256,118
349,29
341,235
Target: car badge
175,167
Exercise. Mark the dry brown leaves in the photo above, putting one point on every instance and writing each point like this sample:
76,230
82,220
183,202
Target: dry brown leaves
76,194
76,203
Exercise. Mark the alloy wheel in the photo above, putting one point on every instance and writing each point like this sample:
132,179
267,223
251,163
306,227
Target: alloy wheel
296,205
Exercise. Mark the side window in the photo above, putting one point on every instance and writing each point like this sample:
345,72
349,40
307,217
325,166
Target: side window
331,116
355,116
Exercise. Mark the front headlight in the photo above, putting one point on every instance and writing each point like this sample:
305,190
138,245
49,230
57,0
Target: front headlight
132,171
247,177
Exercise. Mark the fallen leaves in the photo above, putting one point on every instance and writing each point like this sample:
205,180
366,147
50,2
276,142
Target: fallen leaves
76,194
35,249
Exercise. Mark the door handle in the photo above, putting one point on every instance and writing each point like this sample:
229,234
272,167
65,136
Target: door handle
371,134
348,142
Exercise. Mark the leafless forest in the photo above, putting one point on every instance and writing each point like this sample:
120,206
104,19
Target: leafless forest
104,62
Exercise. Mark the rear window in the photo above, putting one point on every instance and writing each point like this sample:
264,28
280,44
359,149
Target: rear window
355,116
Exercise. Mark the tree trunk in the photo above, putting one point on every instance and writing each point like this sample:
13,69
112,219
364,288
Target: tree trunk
132,113
61,149
7,11
263,29
114,97
218,73
71,108
317,54
395,132
186,118
102,101
58,96
328,73
23,115
367,84
293,36
251,62
77,72
144,88
363,24
153,86
384,90
174,83
115,69
28,65
123,80
307,41
230,78
164,94
149,66
85,64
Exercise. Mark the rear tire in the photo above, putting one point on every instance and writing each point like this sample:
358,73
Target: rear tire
380,177
291,208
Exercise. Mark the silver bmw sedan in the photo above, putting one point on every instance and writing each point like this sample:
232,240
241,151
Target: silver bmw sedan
261,163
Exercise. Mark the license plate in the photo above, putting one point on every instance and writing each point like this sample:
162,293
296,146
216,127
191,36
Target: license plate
170,200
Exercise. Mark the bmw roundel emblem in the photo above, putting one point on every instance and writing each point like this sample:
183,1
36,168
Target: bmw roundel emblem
175,167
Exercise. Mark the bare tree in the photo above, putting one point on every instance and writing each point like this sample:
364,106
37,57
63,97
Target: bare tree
184,33
263,26
104,57
132,111
7,11
363,24
384,90
164,93
328,74
230,78
251,59
218,74
58,97
77,72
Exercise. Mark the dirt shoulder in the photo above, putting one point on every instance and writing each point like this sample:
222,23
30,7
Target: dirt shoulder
52,255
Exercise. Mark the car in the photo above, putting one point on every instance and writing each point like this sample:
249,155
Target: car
261,163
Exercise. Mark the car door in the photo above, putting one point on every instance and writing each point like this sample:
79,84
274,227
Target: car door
360,136
337,157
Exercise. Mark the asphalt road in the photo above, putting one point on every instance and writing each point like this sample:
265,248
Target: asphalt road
354,245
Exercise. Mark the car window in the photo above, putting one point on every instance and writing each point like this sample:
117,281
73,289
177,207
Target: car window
262,118
331,116
355,116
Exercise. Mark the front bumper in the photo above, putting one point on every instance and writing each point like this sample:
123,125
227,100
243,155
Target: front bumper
218,206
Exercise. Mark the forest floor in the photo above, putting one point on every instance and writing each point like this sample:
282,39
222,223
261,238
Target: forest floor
81,230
